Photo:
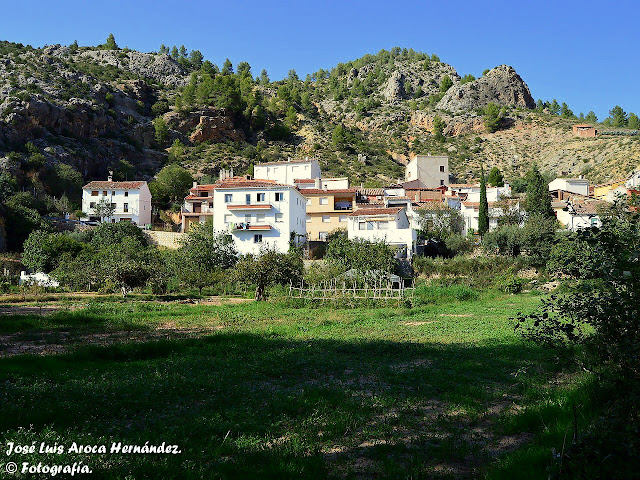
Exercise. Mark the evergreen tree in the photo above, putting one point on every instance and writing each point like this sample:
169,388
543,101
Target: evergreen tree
492,117
539,106
538,200
164,50
565,111
174,52
483,209
244,69
195,58
446,83
111,43
591,117
554,108
182,52
495,178
227,67
264,77
438,128
618,116
74,46
633,121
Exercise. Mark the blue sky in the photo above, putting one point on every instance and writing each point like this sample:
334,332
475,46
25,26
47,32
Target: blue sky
584,53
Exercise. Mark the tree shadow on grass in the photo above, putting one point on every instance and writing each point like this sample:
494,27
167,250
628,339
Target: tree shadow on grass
265,406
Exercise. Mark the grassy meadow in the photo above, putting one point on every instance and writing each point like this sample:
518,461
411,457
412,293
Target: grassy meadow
445,389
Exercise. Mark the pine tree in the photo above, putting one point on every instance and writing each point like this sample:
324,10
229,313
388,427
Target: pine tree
495,178
483,209
591,117
264,77
111,43
227,67
633,121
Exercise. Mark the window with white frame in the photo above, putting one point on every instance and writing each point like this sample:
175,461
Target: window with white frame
259,217
308,218
326,219
260,197
125,208
279,197
247,218
343,218
279,218
308,201
362,225
383,225
227,219
257,238
324,201
228,197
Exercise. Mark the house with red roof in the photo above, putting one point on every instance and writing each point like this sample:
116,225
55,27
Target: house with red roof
129,201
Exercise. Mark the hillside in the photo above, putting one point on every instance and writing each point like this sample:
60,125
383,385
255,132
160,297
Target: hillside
69,114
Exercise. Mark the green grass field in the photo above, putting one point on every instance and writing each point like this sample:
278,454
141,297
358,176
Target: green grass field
249,390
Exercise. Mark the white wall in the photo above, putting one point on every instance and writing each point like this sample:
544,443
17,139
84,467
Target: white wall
292,210
426,168
287,172
138,201
573,185
397,231
575,222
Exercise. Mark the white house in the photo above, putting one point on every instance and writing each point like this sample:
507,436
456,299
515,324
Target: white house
39,278
388,224
579,186
258,213
322,183
131,201
432,171
287,171
633,182
579,214
471,213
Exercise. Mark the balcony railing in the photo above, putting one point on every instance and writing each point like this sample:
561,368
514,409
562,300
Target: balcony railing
251,206
248,226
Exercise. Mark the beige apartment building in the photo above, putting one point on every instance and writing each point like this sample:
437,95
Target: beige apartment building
327,210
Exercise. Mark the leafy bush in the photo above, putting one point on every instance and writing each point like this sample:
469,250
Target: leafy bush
511,283
477,272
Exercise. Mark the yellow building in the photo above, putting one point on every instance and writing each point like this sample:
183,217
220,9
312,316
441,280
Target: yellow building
327,210
600,191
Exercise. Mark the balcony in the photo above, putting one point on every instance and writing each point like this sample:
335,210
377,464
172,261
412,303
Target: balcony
237,227
245,206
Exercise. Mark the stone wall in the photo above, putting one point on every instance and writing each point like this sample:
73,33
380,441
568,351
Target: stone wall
164,239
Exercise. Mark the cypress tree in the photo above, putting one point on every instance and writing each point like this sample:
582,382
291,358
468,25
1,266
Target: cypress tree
538,198
483,210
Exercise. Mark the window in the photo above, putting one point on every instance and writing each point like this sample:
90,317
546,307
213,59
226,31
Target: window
247,218
594,221
260,197
257,238
92,205
308,218
279,218
104,193
279,197
126,194
94,193
343,218
259,217
113,205
383,225
308,201
326,219
247,199
210,204
227,219
322,236
369,225
324,201
228,197
362,226
441,182
442,168
125,208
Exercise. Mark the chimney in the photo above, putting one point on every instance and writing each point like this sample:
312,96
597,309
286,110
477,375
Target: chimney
195,184
317,182
288,159
110,177
231,173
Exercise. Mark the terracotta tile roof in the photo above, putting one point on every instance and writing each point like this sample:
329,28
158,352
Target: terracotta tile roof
244,183
196,197
429,205
304,180
375,211
203,188
463,185
587,208
114,185
583,125
319,191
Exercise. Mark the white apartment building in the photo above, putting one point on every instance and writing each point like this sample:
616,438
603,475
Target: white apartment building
287,171
431,171
579,186
258,213
131,201
322,183
390,225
